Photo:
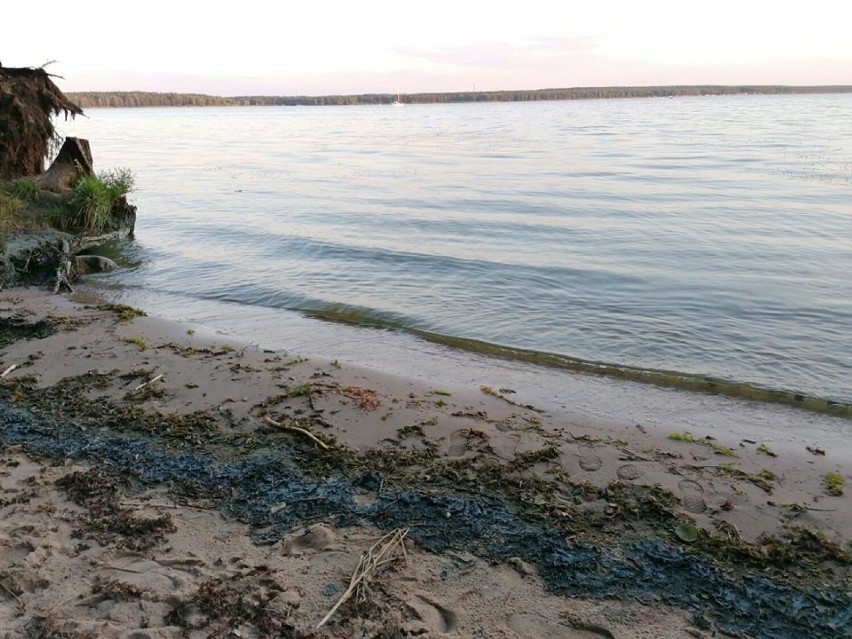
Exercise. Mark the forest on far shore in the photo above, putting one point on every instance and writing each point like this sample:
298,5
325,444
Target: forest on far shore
95,99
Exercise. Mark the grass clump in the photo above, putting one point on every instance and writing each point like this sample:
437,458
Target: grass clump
24,190
11,210
833,483
704,441
303,390
93,198
682,437
140,343
529,458
14,199
123,313
763,448
10,207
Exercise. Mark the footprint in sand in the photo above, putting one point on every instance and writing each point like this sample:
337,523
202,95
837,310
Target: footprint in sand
693,496
458,443
434,615
533,626
589,460
629,472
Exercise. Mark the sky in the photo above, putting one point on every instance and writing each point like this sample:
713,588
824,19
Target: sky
323,47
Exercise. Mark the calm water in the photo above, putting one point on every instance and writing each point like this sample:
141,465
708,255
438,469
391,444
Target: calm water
700,235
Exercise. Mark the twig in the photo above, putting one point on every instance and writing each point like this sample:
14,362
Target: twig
306,433
796,506
631,456
60,604
11,592
156,504
150,381
63,270
370,562
8,370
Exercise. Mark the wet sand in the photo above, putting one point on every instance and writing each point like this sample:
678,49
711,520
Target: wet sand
145,491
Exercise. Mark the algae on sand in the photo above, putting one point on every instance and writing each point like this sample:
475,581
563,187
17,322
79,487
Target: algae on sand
249,483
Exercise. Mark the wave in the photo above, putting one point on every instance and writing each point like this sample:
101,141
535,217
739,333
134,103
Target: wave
395,322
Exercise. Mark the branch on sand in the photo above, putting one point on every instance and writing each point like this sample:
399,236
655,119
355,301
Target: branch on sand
148,383
377,557
296,429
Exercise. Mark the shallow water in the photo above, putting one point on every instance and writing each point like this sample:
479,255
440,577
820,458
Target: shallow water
708,236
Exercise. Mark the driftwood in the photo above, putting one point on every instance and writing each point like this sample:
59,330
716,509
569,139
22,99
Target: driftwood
5,373
296,429
74,160
70,265
28,99
63,271
378,556
148,383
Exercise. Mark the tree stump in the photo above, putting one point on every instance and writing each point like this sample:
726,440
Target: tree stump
74,160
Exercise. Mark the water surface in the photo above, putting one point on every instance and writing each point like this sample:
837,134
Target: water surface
706,236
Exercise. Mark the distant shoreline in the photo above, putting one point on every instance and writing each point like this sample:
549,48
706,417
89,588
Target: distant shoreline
129,99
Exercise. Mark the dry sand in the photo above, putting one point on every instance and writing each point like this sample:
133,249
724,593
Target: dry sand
182,563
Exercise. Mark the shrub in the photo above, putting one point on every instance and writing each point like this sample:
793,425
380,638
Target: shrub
93,198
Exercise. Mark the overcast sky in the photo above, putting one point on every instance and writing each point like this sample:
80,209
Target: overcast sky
319,47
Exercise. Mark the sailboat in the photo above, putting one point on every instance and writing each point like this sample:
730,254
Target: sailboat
398,102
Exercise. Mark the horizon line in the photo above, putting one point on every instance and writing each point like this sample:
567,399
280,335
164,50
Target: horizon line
740,86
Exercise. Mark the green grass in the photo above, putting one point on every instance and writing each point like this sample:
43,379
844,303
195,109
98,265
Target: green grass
833,483
92,200
704,441
300,391
10,211
10,208
123,313
763,448
140,343
88,206
24,190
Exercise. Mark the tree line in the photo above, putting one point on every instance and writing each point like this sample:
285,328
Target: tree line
124,99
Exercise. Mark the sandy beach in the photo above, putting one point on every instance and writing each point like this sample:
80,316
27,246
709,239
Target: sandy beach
161,480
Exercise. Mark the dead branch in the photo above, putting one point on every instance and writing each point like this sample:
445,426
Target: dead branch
8,370
63,271
629,455
370,563
12,592
150,381
306,433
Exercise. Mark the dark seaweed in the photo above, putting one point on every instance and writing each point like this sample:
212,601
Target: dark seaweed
268,490
15,328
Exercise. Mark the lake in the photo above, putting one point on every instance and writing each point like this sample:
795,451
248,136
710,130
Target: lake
705,236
